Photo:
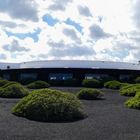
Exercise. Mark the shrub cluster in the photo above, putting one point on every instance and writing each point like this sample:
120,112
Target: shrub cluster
89,94
9,83
13,91
130,90
3,82
124,84
91,83
38,85
49,105
27,81
112,84
134,102
103,80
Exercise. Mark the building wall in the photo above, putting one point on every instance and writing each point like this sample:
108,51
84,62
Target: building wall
78,73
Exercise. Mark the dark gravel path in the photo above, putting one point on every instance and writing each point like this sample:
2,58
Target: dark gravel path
107,120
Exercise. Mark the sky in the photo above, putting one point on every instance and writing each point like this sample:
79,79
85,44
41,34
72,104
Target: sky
106,30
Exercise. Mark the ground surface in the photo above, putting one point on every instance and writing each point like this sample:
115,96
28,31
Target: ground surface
107,119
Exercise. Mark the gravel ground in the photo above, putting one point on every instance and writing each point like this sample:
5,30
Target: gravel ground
107,119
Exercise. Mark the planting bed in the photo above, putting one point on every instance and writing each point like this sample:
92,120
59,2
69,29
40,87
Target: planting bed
108,119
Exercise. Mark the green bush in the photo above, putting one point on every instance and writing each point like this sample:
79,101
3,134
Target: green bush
89,94
9,83
13,91
27,81
91,83
134,102
38,85
49,105
106,79
137,80
129,90
3,82
124,84
112,84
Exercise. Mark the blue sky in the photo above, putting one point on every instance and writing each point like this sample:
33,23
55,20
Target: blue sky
50,20
33,35
69,29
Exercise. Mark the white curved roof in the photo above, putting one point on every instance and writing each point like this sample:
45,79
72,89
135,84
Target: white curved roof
72,64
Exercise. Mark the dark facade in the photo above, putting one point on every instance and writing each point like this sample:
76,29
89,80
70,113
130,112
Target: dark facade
48,74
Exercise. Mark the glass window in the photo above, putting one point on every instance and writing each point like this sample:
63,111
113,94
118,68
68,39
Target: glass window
125,77
96,76
24,76
6,76
60,76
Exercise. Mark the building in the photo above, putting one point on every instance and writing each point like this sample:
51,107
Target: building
53,70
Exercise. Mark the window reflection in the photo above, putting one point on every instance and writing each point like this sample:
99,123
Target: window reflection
60,76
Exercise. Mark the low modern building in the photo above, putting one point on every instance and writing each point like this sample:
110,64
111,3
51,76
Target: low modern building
68,69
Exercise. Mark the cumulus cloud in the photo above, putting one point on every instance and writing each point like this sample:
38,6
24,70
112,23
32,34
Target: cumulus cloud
3,56
136,13
70,50
75,30
14,47
96,32
71,34
57,5
59,44
84,11
10,24
20,9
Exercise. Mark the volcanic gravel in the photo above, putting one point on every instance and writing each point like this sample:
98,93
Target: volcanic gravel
107,119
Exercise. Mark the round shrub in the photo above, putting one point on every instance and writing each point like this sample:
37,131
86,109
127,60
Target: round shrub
124,84
9,83
38,85
13,91
50,106
134,102
89,94
137,80
106,79
3,82
112,84
129,90
91,83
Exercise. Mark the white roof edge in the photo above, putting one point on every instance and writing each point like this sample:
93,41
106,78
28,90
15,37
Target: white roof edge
71,64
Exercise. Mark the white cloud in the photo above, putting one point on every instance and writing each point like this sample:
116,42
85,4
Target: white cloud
19,9
84,11
110,30
57,5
